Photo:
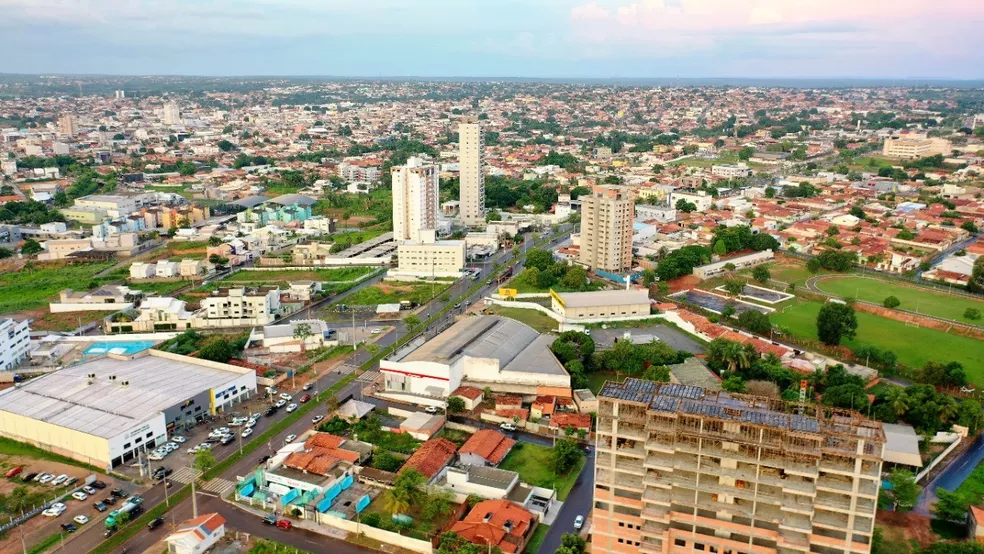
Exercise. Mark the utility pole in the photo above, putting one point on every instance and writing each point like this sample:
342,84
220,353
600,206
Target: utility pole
194,499
353,327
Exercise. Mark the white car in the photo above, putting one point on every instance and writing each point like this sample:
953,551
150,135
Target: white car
80,519
171,446
280,404
206,445
247,432
432,409
290,438
507,427
285,396
59,480
291,407
194,449
376,331
250,423
317,419
55,510
45,478
89,490
155,456
307,387
178,439
79,495
579,522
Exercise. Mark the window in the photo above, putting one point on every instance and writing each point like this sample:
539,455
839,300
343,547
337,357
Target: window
150,434
680,542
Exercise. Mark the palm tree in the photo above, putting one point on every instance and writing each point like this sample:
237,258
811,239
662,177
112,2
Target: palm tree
898,400
396,502
735,356
948,409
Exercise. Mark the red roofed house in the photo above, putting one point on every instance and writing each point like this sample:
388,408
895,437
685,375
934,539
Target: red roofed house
486,447
498,523
560,422
975,516
196,535
471,395
431,457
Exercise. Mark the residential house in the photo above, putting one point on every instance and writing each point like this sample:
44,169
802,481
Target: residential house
164,269
431,458
193,268
487,447
142,270
498,523
196,535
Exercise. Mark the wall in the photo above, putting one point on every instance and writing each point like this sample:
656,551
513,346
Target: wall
60,308
388,537
59,440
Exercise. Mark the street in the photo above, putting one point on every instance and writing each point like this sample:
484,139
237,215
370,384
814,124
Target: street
578,503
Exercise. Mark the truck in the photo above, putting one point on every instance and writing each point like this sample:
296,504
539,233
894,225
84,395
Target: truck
504,276
131,505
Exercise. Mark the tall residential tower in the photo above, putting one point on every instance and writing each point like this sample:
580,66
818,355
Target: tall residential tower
415,201
471,158
684,470
606,229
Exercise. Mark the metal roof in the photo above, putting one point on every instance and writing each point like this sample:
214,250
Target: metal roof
290,199
604,298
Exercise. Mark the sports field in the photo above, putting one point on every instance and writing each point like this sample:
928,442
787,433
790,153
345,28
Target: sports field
923,300
914,346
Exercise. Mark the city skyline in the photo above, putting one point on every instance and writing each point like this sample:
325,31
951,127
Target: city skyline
549,39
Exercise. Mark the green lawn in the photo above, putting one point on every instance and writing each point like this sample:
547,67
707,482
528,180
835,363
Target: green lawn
282,275
33,289
923,300
537,320
539,534
182,245
160,289
532,463
914,346
597,379
523,288
10,447
393,292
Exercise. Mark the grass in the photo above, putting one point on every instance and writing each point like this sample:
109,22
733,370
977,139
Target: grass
910,344
392,293
924,300
33,289
45,544
524,288
183,245
402,443
533,464
539,534
537,320
160,289
597,379
10,447
323,275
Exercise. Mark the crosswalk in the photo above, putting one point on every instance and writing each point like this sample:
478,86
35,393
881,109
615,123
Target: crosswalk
218,486
345,369
184,475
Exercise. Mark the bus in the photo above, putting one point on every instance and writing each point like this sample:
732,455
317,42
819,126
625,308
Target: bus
129,507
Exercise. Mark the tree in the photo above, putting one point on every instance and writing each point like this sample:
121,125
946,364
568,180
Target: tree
214,241
761,274
972,314
658,373
225,145
745,153
565,456
396,501
734,286
686,207
897,400
411,321
204,460
539,258
950,506
813,265
437,504
301,332
31,247
835,322
891,302
976,282
456,404
386,461
217,349
733,383
905,491
951,547
576,278
571,543
7,253
720,248
848,396
763,388
755,321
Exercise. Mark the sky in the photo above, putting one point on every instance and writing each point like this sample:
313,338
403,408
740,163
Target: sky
497,38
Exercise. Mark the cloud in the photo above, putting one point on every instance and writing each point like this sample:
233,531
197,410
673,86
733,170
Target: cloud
589,12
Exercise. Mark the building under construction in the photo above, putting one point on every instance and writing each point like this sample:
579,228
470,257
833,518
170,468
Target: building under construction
680,469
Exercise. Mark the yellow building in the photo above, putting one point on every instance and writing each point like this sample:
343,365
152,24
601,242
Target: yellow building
607,305
911,147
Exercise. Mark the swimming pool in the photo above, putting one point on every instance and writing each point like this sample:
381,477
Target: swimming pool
118,347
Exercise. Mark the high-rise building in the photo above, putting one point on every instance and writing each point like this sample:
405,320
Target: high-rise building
15,343
415,201
118,94
66,125
172,113
680,469
471,158
606,229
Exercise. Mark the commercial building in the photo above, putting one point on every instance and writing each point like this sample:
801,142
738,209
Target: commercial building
731,171
67,125
172,114
698,198
739,262
606,304
680,469
415,201
105,411
15,342
606,229
114,206
911,147
486,351
471,156
239,306
443,258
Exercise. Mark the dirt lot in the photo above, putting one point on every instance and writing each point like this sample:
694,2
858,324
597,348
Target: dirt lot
44,321
900,528
40,526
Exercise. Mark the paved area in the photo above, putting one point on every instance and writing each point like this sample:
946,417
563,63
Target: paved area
604,338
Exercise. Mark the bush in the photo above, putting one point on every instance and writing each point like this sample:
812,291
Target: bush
972,314
892,302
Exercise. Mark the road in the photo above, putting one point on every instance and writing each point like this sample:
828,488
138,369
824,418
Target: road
90,537
578,503
952,476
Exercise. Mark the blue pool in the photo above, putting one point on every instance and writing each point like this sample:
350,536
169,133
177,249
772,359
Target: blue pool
117,347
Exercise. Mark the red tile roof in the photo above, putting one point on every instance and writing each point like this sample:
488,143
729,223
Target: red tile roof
324,440
431,457
577,421
489,444
487,522
470,393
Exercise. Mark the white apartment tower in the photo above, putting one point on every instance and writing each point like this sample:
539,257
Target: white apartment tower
471,158
66,125
172,113
15,342
606,229
415,201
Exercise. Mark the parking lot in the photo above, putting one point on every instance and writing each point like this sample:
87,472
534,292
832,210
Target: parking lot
604,338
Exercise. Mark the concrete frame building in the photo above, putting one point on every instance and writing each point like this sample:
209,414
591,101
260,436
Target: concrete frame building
415,201
67,125
443,258
731,171
911,147
606,229
471,156
15,342
680,469
106,411
172,114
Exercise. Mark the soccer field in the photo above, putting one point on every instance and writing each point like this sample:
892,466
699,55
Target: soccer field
914,346
923,300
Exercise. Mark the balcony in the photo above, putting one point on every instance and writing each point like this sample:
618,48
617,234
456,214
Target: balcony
796,523
796,485
636,450
836,484
839,465
792,503
828,519
659,462
833,502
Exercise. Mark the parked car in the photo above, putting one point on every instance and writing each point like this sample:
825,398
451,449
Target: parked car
376,331
14,472
59,480
98,485
291,407
69,527
507,427
284,524
155,524
118,493
109,500
285,396
79,495
29,477
99,506
280,404
80,519
579,522
317,419
432,409
263,459
71,481
305,398
270,411
89,490
270,519
290,438
227,439
45,477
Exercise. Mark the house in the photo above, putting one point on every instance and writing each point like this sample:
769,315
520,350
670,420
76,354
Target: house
105,298
422,426
288,337
141,270
580,422
157,313
499,523
192,268
196,535
471,395
487,447
431,457
167,269
303,290
586,401
975,516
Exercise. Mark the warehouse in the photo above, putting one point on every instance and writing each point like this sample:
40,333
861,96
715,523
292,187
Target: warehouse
603,305
103,412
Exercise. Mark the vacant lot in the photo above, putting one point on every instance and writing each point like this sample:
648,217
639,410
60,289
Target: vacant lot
914,346
285,275
523,288
32,288
392,293
533,464
923,300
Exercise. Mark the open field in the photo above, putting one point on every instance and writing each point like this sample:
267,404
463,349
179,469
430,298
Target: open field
532,462
30,289
164,288
392,293
523,288
597,379
914,346
923,300
286,275
537,320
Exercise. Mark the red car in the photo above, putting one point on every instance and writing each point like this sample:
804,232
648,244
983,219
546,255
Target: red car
284,524
305,398
14,472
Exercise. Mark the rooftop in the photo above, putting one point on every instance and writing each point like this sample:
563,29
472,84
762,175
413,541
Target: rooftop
144,385
604,298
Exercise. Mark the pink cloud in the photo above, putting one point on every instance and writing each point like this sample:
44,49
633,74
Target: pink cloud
589,12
